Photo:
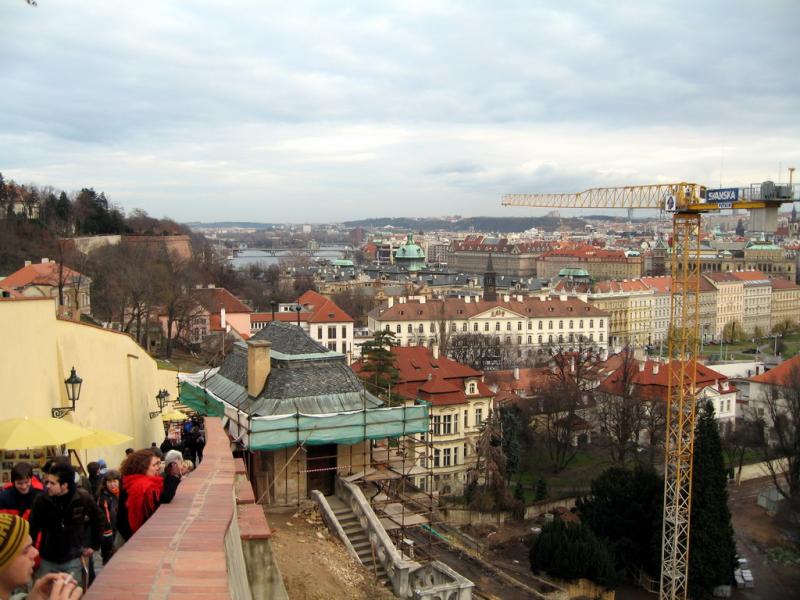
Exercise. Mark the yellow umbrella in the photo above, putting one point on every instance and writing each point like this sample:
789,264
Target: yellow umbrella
37,432
173,415
99,438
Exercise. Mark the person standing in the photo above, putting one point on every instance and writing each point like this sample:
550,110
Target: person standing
70,523
17,559
108,501
144,486
17,499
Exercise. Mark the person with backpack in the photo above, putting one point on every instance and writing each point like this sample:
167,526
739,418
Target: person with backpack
108,501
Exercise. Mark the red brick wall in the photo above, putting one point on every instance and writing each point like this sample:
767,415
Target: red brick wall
180,552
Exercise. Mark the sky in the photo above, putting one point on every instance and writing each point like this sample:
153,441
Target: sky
297,112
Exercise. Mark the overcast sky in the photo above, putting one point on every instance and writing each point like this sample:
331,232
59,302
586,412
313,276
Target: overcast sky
300,112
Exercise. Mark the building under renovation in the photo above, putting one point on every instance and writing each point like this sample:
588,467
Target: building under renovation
298,412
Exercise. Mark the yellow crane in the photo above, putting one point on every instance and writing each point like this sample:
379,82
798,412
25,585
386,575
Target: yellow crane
687,202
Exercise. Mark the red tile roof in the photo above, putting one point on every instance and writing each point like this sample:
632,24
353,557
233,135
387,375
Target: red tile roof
322,309
721,277
437,380
663,284
749,275
783,284
458,309
652,377
214,299
784,374
528,381
39,274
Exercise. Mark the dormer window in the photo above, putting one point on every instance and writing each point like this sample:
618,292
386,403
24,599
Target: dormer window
472,388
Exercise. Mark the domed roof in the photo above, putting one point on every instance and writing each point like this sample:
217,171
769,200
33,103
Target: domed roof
409,250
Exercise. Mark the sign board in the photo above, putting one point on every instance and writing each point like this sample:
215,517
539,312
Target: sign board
725,204
669,204
723,195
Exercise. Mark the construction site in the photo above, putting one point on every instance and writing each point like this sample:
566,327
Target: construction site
369,468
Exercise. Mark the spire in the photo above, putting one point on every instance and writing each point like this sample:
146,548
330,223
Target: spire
490,282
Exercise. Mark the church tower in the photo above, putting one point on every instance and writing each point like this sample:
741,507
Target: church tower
490,282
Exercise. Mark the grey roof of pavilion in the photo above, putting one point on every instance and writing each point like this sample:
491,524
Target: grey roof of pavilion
315,382
289,339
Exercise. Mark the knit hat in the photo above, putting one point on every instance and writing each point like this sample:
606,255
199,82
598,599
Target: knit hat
13,531
171,457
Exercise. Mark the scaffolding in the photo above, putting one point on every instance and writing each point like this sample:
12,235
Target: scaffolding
386,451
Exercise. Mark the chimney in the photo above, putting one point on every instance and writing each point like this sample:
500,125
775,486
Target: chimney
506,298
422,299
519,297
656,365
258,366
435,351
222,319
391,301
641,367
45,261
516,373
211,286
27,263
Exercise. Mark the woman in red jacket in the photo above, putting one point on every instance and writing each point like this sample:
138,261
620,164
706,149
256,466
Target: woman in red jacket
145,488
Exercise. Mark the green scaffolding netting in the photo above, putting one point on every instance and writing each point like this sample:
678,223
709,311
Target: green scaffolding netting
199,401
283,431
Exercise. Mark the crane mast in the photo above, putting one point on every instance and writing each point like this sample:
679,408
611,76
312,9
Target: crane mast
687,201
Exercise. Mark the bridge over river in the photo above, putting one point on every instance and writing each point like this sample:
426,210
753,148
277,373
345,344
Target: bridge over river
244,256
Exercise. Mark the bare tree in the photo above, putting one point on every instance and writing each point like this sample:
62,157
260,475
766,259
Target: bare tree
487,481
570,384
654,421
620,410
444,327
476,350
776,416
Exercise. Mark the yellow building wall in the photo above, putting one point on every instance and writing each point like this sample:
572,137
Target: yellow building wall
120,380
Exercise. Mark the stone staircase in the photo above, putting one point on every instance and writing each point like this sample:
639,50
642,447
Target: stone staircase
358,539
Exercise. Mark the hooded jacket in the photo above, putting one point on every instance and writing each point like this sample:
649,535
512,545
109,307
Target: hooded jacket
66,523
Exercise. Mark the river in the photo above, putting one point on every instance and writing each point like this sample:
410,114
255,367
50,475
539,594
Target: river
249,257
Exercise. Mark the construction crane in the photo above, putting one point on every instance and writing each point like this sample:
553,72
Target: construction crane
687,202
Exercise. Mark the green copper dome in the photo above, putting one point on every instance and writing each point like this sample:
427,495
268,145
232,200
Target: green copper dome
410,255
410,250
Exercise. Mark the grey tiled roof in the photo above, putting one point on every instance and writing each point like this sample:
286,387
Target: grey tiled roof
306,382
289,339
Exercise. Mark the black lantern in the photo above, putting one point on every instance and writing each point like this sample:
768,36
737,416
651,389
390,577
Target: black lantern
73,385
161,398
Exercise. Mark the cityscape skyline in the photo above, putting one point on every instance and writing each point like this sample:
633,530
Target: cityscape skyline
327,114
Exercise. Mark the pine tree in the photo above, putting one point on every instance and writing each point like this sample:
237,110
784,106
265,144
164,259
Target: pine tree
712,550
541,489
379,370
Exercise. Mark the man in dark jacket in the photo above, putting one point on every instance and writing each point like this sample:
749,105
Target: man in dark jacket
17,499
68,519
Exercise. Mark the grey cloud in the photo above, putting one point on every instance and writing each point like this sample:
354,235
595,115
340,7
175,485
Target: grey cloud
92,87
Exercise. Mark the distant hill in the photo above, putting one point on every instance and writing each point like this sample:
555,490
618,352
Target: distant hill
239,224
482,224
478,224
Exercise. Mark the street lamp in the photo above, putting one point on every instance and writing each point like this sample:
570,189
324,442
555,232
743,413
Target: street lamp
73,385
161,398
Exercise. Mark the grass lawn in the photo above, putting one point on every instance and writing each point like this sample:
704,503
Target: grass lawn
589,462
